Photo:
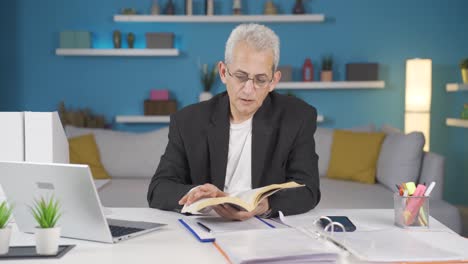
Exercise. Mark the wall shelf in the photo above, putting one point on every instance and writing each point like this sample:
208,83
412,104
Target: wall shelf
137,119
331,85
142,119
456,87
117,52
220,18
455,122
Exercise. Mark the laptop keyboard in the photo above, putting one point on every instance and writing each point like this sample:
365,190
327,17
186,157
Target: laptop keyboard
118,231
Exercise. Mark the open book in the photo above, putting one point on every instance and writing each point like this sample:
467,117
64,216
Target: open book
247,200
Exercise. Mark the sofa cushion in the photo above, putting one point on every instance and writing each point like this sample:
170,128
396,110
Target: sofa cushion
400,159
323,143
125,154
354,155
348,194
433,170
125,193
84,150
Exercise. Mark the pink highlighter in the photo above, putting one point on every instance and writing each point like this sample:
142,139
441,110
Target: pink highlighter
413,205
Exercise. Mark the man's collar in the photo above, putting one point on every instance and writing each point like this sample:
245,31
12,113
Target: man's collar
261,118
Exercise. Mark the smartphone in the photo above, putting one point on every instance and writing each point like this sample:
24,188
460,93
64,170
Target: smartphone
344,220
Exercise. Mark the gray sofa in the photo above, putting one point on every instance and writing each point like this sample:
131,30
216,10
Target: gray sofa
132,158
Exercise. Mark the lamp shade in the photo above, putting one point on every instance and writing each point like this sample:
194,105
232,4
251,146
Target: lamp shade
418,85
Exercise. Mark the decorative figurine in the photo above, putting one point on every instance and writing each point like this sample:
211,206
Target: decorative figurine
298,8
170,8
270,8
155,8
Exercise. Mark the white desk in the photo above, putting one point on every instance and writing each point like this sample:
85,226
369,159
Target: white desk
174,244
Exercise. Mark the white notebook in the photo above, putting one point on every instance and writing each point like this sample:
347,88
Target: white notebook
285,245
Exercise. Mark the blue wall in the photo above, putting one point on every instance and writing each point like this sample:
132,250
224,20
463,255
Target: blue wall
388,32
8,56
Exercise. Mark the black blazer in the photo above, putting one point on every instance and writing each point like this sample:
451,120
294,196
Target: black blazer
283,149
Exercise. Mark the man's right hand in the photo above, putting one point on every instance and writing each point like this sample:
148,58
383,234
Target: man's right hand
203,191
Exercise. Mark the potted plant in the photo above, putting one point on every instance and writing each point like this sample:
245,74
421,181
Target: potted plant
5,230
47,213
208,77
464,70
327,69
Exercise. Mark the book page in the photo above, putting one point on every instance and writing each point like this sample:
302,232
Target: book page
206,202
247,200
254,196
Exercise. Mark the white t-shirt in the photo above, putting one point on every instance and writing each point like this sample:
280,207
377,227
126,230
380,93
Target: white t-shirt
239,168
239,164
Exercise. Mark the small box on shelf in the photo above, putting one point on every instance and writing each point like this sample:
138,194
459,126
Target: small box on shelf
159,40
286,73
75,40
160,107
362,71
159,95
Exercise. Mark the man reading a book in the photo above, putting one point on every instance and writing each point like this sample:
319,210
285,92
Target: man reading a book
247,137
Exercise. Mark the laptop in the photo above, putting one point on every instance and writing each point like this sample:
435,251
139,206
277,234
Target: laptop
82,213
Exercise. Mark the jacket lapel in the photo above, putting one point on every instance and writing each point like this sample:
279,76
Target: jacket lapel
262,129
218,141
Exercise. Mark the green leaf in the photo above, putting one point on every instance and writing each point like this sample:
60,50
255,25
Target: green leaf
5,214
46,212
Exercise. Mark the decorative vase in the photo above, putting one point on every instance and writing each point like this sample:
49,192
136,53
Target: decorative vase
5,235
47,240
155,8
298,8
308,71
130,40
326,76
209,7
205,96
117,39
170,8
237,7
270,8
464,73
188,7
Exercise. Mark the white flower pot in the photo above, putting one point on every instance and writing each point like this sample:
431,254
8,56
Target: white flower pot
5,234
47,240
205,96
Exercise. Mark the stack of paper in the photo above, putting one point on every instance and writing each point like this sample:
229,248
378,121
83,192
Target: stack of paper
284,245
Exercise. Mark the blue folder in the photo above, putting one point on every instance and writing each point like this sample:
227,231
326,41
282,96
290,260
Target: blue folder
198,232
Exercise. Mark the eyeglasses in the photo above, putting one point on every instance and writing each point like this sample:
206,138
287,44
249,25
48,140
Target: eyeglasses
260,81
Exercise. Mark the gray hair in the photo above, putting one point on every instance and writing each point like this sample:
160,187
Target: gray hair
259,37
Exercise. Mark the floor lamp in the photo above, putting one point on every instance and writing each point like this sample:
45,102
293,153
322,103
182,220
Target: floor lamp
418,97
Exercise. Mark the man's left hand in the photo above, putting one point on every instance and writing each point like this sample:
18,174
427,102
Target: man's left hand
229,212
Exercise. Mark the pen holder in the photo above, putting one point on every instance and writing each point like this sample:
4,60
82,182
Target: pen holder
411,211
